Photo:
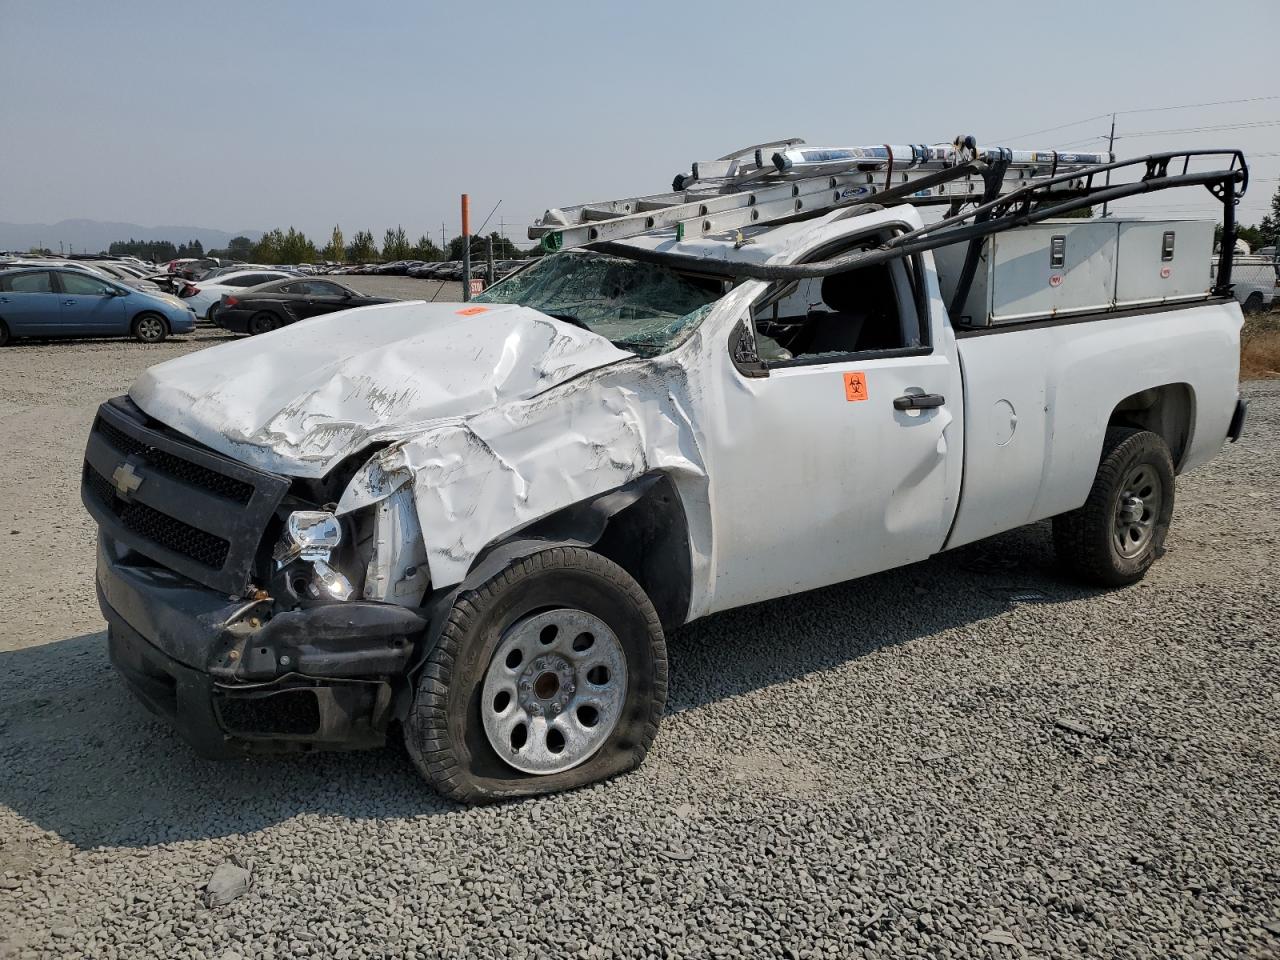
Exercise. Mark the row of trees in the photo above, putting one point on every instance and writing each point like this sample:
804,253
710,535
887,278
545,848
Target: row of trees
156,251
1261,234
292,246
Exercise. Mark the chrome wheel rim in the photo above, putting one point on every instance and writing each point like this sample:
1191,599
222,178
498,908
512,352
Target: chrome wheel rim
554,691
1136,511
150,329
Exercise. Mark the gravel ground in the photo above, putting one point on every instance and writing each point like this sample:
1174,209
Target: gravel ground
405,288
926,762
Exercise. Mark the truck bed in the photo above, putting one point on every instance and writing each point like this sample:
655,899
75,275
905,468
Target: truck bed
1038,397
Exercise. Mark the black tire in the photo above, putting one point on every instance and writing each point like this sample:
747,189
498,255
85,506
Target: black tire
264,321
149,328
444,732
1097,542
1253,303
4,334
211,315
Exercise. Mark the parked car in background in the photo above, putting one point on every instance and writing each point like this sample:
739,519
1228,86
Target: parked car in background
204,296
273,305
232,268
190,268
129,276
1255,281
66,302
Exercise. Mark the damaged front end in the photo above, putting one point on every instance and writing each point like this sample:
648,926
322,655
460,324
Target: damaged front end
241,624
284,529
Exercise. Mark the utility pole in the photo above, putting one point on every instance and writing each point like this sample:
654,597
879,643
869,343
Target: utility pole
444,244
488,256
1111,149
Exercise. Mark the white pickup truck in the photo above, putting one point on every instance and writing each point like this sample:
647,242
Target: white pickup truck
480,519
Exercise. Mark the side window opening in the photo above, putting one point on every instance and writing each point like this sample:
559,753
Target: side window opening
865,310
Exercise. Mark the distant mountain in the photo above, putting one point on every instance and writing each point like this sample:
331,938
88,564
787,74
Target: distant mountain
94,236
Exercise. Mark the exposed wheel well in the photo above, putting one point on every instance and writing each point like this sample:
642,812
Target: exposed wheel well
640,526
1167,410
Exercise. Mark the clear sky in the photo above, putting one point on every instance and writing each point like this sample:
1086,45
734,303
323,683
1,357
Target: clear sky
249,115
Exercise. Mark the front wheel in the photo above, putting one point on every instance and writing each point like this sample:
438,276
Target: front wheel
1119,532
549,676
1253,303
150,328
4,334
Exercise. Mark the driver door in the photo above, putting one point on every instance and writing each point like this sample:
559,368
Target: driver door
822,468
324,297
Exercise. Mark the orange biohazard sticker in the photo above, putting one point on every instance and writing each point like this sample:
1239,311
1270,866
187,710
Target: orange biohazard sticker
855,386
471,311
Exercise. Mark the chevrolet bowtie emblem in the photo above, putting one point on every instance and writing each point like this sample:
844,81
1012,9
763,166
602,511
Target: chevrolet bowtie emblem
126,479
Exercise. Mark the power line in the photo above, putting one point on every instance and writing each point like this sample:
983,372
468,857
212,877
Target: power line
1192,106
1220,126
1103,116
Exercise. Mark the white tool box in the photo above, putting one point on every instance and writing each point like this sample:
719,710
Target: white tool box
1062,267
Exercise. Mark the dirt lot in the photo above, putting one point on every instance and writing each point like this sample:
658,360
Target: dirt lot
405,288
966,758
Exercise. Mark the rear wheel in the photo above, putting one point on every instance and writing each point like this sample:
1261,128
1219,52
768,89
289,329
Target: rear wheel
263,322
1253,303
150,328
1119,532
551,675
211,315
4,334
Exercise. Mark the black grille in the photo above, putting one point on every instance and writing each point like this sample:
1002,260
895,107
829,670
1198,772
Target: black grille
176,467
204,548
189,509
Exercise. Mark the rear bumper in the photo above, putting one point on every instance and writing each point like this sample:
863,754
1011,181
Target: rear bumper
230,318
1236,429
233,677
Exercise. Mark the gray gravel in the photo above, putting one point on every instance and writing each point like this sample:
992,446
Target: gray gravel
917,763
403,288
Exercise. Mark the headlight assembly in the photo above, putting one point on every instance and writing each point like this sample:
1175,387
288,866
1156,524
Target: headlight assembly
312,536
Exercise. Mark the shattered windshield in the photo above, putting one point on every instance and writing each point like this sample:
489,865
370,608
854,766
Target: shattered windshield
641,307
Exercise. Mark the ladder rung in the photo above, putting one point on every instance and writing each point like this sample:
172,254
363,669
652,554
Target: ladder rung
735,192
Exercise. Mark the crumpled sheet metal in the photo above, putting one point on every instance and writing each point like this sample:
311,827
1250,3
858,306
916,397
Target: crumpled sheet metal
298,400
477,478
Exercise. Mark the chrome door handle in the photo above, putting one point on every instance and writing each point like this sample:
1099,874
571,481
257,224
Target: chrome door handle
68,303
919,401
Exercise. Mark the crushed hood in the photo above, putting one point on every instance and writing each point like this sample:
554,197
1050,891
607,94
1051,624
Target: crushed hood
299,399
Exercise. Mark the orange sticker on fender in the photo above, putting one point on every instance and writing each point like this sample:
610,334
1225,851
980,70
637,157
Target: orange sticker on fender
855,386
471,311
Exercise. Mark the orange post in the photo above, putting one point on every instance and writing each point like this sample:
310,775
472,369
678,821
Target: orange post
466,247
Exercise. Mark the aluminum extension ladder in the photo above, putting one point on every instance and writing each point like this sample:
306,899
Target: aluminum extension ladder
785,179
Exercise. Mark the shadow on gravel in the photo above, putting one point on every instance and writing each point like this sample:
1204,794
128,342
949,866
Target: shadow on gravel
80,757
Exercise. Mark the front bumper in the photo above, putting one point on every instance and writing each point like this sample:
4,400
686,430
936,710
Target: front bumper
237,676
